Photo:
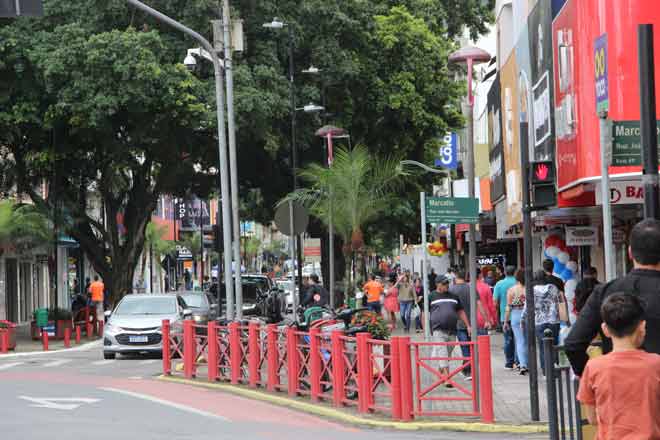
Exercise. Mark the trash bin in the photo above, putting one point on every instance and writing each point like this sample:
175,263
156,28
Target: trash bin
351,303
41,317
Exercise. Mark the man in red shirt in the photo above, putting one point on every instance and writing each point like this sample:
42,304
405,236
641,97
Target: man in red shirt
487,307
621,390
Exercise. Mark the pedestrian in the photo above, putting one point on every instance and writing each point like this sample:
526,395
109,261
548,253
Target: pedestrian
515,302
486,314
373,290
167,283
419,300
96,292
445,311
583,291
187,277
462,290
432,276
500,298
643,281
546,310
489,277
316,295
406,300
391,302
621,390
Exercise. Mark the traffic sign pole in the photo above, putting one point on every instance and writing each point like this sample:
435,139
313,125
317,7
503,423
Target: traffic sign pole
425,278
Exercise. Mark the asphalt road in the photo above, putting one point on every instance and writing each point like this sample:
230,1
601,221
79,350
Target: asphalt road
77,394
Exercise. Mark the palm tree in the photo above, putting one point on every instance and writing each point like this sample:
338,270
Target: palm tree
357,189
23,226
155,245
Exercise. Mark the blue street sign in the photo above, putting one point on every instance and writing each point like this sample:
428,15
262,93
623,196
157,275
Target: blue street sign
600,68
448,152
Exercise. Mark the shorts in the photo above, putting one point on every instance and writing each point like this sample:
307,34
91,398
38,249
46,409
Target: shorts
443,351
100,313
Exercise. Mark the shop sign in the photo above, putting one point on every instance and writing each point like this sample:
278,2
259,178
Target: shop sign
618,236
183,253
623,192
600,64
312,250
581,236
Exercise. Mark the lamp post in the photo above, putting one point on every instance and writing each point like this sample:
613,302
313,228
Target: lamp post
222,141
470,55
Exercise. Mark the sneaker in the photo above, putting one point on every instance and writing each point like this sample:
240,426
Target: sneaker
508,367
523,371
468,378
448,385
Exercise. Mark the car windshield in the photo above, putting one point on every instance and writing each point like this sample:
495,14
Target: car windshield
145,305
261,282
195,300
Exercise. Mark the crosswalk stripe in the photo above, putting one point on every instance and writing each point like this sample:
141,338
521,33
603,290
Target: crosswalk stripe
57,363
148,361
104,362
10,365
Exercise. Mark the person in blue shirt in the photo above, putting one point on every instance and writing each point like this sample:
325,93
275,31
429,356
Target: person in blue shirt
499,296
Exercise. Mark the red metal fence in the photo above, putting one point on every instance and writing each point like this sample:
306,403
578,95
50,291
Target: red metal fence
398,377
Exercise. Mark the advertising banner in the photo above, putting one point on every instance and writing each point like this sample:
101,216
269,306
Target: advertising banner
497,187
510,139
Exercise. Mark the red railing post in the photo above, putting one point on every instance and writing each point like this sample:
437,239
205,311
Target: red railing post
4,341
44,339
315,363
292,361
88,325
364,372
67,337
273,357
395,377
254,354
78,334
338,378
189,349
405,369
235,351
212,353
165,340
485,380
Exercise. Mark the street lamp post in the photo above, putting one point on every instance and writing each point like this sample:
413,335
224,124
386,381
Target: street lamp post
222,142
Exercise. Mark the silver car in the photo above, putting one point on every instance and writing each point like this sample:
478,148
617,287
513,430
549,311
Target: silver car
135,324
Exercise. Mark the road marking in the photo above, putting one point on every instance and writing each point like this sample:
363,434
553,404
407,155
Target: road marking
104,362
165,403
10,365
149,361
84,347
57,363
67,403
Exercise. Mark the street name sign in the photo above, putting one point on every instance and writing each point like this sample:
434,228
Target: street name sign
452,210
627,143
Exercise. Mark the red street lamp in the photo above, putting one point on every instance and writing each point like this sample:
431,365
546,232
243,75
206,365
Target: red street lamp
469,55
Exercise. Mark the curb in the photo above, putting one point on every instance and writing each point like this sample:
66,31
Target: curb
81,347
341,416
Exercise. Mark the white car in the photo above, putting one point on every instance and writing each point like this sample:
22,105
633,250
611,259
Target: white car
135,324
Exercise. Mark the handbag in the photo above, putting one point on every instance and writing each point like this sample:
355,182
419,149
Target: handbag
415,311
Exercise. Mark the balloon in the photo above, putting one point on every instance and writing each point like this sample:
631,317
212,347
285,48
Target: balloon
566,274
563,258
572,265
559,266
552,251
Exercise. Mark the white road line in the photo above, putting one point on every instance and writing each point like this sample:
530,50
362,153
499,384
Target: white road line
104,362
148,361
10,365
84,347
57,363
165,403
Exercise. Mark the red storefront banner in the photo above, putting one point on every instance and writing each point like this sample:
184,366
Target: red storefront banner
575,28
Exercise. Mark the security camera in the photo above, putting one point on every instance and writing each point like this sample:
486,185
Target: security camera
190,62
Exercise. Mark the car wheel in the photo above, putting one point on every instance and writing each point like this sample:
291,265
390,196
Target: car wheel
109,356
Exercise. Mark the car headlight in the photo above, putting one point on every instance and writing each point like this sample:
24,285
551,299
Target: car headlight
200,318
109,328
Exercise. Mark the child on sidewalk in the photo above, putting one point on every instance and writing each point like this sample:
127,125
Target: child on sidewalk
621,390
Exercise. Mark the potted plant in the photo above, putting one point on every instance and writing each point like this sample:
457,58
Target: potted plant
10,328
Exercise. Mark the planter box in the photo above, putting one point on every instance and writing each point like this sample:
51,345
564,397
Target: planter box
61,326
55,329
10,328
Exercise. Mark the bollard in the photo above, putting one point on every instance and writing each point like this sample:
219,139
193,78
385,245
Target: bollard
77,334
485,380
254,354
551,386
4,341
188,349
235,351
44,339
212,355
315,364
292,361
273,358
338,373
99,330
405,369
395,378
364,372
89,329
167,357
67,337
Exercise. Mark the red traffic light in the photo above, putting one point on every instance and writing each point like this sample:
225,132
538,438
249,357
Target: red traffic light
543,172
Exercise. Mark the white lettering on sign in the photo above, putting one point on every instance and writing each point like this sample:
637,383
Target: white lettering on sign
623,192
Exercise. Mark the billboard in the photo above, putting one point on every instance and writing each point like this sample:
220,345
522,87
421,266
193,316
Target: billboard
511,139
496,156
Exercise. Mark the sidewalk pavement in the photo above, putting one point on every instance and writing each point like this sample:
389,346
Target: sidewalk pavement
511,392
25,343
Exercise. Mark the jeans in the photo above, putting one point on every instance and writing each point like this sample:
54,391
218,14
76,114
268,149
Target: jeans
374,306
462,336
519,337
509,348
406,306
540,329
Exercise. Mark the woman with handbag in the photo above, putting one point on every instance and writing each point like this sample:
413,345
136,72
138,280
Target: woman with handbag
406,300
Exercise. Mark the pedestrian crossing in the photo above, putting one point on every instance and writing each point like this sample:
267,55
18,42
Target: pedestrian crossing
79,364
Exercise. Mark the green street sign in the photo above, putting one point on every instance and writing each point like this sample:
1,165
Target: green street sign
627,143
452,210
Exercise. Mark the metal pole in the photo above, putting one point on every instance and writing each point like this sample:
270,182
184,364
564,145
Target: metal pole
201,244
610,271
331,255
222,142
292,247
529,292
648,120
233,167
425,279
151,268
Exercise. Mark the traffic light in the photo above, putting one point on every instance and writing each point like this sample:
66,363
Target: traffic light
542,177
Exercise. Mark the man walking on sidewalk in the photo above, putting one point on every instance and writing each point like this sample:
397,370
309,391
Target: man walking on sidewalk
499,295
96,290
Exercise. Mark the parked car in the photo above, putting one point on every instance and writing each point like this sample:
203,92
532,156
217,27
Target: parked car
135,324
261,297
202,307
